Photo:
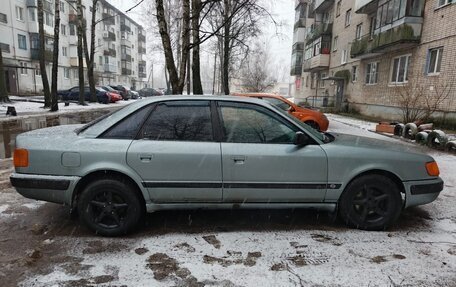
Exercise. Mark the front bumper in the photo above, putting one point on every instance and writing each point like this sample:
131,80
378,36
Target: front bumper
57,189
422,191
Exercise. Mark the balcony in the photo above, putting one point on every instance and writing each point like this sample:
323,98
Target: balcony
35,54
296,70
108,19
108,35
141,50
366,6
142,63
142,75
301,23
296,61
404,36
126,71
141,38
110,68
110,52
126,57
322,5
125,42
74,62
125,28
317,63
318,31
73,18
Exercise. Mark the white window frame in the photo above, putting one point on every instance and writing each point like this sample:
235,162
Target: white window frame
32,14
63,29
354,74
441,3
20,36
371,78
348,17
19,13
37,71
343,57
335,42
406,71
359,31
66,73
23,69
64,51
321,82
436,64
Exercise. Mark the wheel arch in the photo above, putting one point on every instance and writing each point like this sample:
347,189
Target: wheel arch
105,173
394,177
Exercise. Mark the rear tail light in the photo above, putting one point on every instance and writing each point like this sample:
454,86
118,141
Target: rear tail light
432,168
21,157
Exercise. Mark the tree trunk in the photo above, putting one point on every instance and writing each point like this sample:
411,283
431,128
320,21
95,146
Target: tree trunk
185,43
3,91
226,47
167,48
90,54
80,53
44,78
196,71
55,58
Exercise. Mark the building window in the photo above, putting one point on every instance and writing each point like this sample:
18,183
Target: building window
339,4
335,43
19,13
100,60
354,74
322,83
37,71
359,31
63,29
22,41
444,2
399,73
3,18
434,61
348,18
32,15
344,57
23,68
64,51
372,73
62,7
72,29
66,73
49,19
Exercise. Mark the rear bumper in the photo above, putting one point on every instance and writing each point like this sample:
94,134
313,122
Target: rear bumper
57,189
422,191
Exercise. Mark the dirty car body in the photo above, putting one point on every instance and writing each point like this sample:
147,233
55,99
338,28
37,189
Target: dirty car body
176,152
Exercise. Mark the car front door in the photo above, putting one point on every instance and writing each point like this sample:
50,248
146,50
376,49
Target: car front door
260,161
176,154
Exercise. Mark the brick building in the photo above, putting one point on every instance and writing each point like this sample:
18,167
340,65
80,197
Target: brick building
365,53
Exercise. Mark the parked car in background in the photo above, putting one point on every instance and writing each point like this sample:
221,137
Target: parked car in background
73,95
313,118
134,94
114,94
149,92
124,91
180,152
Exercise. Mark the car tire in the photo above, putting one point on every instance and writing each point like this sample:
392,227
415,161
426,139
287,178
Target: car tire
313,125
110,207
370,202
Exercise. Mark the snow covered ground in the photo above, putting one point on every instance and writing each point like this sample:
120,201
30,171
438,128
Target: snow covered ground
251,248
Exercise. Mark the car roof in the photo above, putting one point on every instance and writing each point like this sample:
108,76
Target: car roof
254,95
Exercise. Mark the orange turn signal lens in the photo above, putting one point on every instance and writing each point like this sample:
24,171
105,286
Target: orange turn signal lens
432,168
21,157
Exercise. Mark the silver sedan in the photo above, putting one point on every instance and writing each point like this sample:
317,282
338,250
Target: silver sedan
178,152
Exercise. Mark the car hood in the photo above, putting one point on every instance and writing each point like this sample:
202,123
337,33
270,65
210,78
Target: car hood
371,143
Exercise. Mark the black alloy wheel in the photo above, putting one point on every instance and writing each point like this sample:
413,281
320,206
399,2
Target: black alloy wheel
371,202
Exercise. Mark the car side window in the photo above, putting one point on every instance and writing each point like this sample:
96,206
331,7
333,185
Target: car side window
282,105
246,123
179,121
129,127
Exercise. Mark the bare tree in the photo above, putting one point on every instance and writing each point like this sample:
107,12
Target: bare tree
81,31
196,70
55,58
419,99
90,53
3,91
44,77
256,74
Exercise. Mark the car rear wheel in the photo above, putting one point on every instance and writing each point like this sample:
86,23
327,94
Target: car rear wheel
370,202
110,207
313,124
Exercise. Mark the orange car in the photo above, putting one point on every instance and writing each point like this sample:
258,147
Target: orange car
313,118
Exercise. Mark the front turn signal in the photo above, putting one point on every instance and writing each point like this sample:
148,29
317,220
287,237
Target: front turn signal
432,168
21,157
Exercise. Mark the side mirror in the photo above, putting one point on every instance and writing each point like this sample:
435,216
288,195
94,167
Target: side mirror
291,109
301,139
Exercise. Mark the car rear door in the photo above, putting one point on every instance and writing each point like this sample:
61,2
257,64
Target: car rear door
176,154
260,161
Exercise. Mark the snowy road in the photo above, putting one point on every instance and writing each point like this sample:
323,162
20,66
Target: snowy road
40,245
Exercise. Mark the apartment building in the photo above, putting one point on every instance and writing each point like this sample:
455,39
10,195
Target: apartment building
363,53
120,45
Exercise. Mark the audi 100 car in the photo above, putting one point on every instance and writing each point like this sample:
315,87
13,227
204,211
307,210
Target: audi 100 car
176,152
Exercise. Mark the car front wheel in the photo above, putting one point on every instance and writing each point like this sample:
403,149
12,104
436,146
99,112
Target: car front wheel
370,202
110,207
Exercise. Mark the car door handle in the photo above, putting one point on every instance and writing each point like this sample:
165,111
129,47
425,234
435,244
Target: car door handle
145,157
239,159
